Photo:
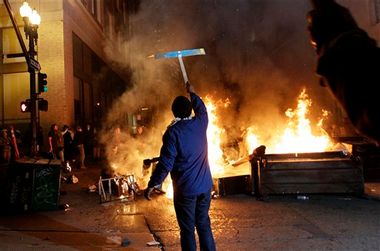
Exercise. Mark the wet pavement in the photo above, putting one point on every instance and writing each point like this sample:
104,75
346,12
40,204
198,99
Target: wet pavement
86,224
239,222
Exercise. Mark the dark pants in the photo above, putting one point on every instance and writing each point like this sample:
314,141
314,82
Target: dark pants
192,211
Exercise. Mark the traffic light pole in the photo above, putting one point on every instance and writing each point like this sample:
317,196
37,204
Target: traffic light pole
33,65
33,111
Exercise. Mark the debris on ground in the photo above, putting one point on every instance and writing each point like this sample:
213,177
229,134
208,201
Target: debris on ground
64,206
92,188
125,242
72,179
153,243
114,239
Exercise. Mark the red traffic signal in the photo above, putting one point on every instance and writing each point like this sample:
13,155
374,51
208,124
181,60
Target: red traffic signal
25,106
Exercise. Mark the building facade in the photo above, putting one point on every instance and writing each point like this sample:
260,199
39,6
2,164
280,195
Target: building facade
74,41
73,38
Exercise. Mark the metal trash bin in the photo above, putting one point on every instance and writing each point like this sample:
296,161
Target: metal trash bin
331,172
34,185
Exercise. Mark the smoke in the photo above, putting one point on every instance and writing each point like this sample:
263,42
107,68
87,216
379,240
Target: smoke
258,56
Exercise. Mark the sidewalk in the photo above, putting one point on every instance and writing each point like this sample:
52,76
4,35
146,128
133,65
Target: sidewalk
85,225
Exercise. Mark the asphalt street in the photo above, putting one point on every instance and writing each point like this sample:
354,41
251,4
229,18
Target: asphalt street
239,222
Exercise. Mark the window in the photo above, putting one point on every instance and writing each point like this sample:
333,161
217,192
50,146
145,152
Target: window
16,89
11,46
78,100
93,7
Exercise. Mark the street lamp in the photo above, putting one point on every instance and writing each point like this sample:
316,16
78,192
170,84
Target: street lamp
31,21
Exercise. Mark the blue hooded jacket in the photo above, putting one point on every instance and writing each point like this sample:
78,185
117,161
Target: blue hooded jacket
184,154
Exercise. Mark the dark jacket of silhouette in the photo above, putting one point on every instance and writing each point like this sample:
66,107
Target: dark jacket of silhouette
348,63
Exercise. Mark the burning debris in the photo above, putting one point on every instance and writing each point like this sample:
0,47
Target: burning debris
226,160
118,187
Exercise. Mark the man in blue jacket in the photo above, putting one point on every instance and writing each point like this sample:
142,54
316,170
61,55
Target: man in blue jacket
184,155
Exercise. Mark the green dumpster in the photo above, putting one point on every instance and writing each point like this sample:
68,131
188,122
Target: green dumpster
34,185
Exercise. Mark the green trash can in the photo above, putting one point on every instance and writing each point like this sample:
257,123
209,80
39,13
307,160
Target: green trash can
34,185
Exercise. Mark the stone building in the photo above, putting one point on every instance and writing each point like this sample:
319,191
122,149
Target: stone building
77,44
73,39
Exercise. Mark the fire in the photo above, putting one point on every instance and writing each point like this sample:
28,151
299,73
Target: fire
214,133
251,140
298,136
168,187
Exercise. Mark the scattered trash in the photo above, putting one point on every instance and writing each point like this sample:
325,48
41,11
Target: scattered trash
72,179
92,188
345,198
153,243
67,168
214,195
158,191
114,239
64,206
121,187
125,242
302,197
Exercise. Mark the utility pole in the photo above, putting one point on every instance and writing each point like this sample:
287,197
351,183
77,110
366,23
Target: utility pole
31,21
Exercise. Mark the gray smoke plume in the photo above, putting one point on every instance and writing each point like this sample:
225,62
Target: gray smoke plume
258,56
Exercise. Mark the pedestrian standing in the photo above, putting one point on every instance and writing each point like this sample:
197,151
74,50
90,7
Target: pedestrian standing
78,142
5,147
55,138
68,143
15,152
184,155
96,153
89,142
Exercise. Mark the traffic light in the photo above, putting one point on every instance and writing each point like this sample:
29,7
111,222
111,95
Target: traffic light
25,106
42,82
43,105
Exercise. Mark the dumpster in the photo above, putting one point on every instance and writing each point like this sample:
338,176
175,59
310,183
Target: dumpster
34,185
335,172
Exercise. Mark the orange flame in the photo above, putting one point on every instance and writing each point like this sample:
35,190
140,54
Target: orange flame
251,140
168,187
214,134
298,136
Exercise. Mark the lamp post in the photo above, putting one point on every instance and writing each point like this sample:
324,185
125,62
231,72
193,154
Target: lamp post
31,21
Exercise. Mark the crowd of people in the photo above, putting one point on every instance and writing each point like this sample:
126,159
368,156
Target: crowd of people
68,144
9,145
72,145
